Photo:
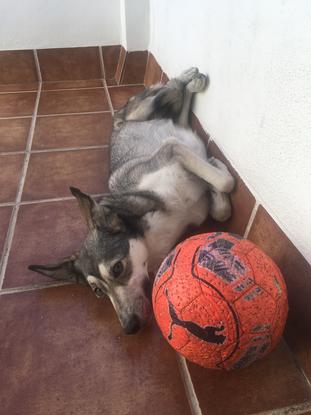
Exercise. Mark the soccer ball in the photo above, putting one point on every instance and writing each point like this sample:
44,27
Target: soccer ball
220,301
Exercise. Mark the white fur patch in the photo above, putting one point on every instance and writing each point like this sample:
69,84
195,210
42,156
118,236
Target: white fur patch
139,258
104,272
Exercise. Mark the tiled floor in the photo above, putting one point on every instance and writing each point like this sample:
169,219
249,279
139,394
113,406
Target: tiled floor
62,350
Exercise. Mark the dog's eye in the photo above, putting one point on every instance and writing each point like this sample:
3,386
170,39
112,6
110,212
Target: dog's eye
98,292
117,269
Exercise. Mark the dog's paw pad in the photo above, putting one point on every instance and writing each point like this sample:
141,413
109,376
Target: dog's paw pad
189,74
198,84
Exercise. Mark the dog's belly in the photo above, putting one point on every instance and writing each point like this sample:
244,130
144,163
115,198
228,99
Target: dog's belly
186,203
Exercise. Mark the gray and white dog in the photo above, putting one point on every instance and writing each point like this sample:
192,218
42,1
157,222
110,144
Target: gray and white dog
161,181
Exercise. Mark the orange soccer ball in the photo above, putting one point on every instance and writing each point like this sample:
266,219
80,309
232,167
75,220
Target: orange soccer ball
220,301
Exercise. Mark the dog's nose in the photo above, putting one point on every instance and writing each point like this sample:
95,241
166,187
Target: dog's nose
133,325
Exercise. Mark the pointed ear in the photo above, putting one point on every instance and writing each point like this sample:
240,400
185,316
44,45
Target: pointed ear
133,204
97,216
65,270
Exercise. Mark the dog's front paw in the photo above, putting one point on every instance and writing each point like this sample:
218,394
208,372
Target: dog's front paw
198,84
188,75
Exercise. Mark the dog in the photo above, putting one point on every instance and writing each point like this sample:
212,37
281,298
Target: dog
161,180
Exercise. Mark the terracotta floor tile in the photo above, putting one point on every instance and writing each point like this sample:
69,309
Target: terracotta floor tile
50,174
69,63
14,133
120,95
15,105
134,67
11,166
271,383
17,66
153,71
111,55
72,131
63,352
84,83
84,100
44,233
297,273
5,215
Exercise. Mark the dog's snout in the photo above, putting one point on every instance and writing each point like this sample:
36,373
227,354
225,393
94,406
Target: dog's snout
133,325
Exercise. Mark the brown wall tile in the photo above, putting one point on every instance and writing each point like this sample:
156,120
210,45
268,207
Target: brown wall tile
17,66
69,64
164,78
11,167
241,198
72,131
197,128
134,68
111,55
297,273
153,71
120,66
14,133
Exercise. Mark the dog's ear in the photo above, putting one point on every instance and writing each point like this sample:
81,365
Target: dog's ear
66,270
96,215
133,204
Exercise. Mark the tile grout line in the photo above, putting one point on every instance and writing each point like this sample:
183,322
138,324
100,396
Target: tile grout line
49,200
297,409
54,149
33,287
125,85
101,63
121,65
16,117
13,219
188,385
251,219
73,113
55,114
108,98
147,68
23,91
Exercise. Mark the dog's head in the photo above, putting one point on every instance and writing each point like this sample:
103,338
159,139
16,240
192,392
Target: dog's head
113,258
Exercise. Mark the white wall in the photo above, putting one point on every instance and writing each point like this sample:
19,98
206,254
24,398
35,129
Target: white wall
258,106
30,24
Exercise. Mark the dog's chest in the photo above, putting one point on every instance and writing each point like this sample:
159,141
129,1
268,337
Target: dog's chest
181,193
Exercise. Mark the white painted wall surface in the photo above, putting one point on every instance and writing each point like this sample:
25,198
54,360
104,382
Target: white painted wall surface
29,24
258,106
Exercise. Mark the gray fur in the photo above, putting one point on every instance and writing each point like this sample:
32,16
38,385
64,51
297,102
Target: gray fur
161,180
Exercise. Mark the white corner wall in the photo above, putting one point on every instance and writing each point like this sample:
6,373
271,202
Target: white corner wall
258,106
36,24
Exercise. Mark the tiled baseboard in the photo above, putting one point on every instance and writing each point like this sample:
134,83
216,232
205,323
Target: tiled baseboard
71,68
75,76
